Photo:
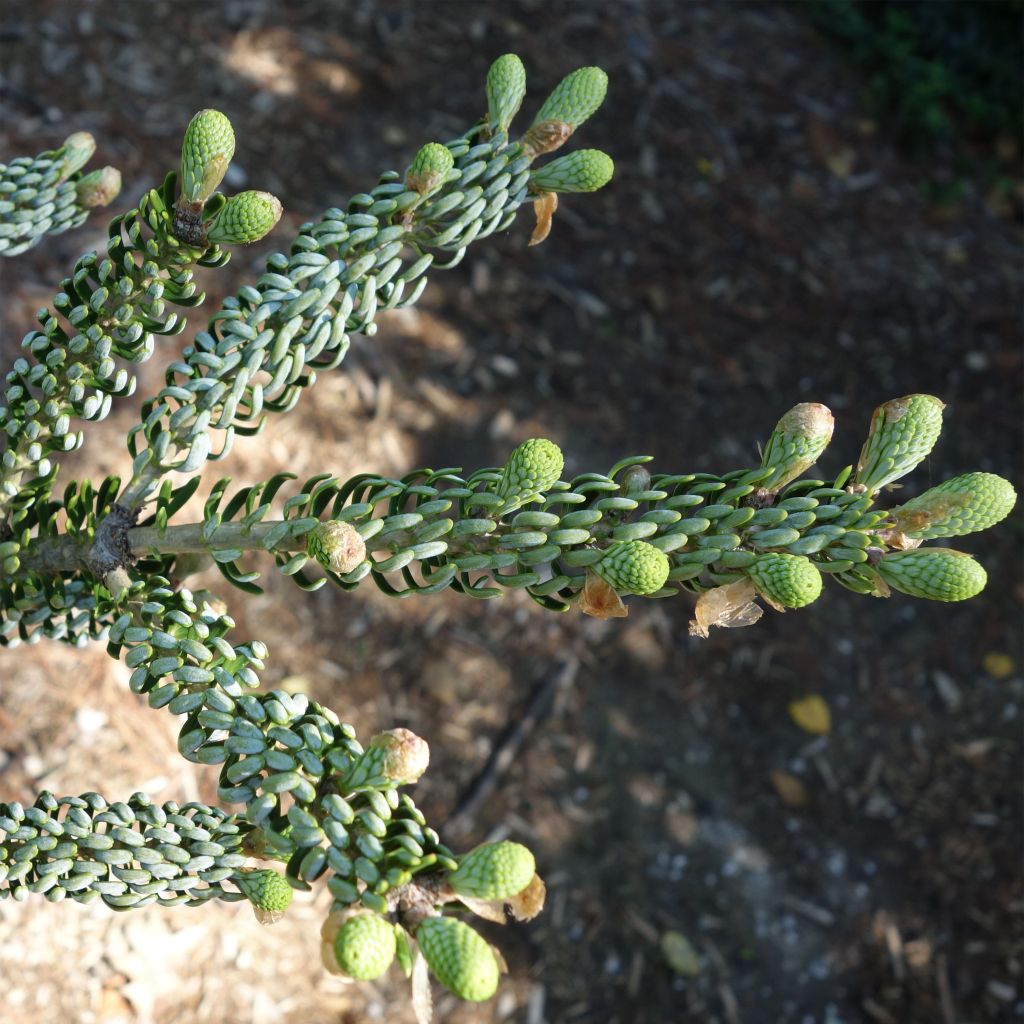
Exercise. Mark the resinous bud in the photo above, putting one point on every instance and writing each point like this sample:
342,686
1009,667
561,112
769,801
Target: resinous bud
965,504
393,758
586,170
459,958
336,545
796,443
506,87
792,581
937,574
98,188
244,218
76,151
429,168
902,434
206,151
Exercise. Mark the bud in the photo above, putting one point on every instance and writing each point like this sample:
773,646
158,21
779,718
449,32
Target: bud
429,168
244,218
533,467
938,574
460,959
206,151
494,871
792,581
796,443
394,758
902,434
965,504
506,87
76,151
98,188
575,98
635,479
336,545
365,946
586,170
634,567
268,892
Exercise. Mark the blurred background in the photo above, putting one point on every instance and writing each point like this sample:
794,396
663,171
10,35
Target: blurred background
812,202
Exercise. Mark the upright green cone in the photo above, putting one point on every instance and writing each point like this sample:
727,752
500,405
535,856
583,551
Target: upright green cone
460,959
266,890
937,574
792,581
576,98
634,567
244,219
965,504
206,151
796,443
365,946
586,170
429,168
902,434
506,87
533,467
494,871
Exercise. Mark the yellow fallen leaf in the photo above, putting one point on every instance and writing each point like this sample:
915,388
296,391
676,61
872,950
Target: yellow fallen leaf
812,715
998,665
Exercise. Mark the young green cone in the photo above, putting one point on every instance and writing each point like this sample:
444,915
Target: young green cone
902,434
460,959
429,168
206,151
634,567
244,218
965,504
365,946
534,466
575,98
506,87
586,170
792,581
266,890
494,871
796,443
938,574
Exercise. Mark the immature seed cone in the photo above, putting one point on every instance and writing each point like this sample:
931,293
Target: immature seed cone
429,168
244,218
265,889
494,871
586,170
634,567
938,574
336,545
506,87
575,98
460,959
206,151
796,443
534,466
365,946
965,504
902,434
792,581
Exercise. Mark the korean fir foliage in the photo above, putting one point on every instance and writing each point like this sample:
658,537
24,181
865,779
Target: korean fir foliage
308,803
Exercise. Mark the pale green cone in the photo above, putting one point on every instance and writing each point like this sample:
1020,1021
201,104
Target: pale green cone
796,443
265,889
634,567
506,87
336,545
429,168
938,574
460,959
494,871
206,151
792,581
78,148
586,170
394,758
534,466
365,946
965,504
98,188
575,98
902,434
244,218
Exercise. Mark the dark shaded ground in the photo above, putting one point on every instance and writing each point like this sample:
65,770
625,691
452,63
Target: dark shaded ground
762,244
